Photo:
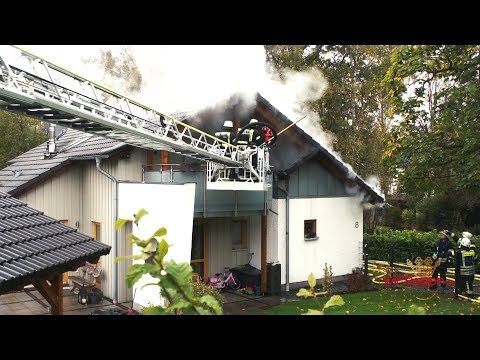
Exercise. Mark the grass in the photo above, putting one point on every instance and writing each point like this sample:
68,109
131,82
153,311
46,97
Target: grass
382,302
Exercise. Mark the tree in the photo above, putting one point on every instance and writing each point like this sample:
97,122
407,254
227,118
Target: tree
435,145
18,133
173,279
355,107
121,71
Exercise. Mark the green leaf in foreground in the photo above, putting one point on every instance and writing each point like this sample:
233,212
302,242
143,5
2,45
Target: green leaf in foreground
335,300
304,292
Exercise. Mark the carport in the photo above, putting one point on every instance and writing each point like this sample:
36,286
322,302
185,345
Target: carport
37,249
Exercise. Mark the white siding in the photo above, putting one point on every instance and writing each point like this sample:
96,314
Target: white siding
58,197
339,241
98,206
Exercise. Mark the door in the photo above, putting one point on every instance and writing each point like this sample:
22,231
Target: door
199,256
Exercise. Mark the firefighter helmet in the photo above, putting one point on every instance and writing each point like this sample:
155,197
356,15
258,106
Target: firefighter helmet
253,121
467,235
228,124
465,242
445,232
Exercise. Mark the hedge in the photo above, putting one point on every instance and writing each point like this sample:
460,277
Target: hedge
406,244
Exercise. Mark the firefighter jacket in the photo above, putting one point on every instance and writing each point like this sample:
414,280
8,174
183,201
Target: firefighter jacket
441,250
250,137
227,137
464,264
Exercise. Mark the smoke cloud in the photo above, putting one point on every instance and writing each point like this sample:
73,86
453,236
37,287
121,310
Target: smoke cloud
189,78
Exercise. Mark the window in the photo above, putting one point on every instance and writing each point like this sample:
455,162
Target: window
96,230
310,229
239,235
64,222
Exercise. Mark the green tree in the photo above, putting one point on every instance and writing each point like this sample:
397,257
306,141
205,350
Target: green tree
435,144
355,107
120,71
18,133
173,279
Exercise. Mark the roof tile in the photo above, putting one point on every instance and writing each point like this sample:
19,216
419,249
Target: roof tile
32,244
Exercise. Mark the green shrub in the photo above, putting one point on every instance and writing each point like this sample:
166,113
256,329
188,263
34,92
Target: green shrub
200,289
406,244
327,281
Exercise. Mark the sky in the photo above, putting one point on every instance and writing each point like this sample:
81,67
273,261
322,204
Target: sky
185,78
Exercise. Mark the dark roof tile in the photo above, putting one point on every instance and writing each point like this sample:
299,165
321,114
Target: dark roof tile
33,245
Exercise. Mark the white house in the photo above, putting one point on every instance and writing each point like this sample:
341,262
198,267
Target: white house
312,214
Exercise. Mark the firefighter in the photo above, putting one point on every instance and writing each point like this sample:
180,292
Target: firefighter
227,135
251,138
465,267
443,250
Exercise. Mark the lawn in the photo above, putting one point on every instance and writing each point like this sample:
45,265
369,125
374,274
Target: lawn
382,302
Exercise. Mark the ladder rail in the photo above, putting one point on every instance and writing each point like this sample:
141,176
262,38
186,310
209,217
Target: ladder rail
136,124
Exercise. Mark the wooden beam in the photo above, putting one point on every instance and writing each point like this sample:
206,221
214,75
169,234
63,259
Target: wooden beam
263,254
52,292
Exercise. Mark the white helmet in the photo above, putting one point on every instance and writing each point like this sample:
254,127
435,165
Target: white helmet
253,121
465,242
228,124
467,235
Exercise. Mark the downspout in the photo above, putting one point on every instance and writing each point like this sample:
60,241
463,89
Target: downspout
287,239
115,237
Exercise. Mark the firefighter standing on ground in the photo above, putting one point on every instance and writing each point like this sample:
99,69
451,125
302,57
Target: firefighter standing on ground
443,249
465,266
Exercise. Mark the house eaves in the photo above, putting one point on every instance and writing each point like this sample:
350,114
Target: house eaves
316,149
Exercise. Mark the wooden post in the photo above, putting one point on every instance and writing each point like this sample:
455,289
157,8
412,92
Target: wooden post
53,293
263,253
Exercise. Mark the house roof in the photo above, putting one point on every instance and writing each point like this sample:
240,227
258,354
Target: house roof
31,166
293,148
33,245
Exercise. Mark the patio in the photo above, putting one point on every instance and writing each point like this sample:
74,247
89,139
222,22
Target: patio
30,302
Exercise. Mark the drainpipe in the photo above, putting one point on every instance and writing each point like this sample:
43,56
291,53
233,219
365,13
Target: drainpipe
115,237
287,239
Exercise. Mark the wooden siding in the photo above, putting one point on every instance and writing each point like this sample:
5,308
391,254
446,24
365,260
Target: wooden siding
58,197
313,180
220,253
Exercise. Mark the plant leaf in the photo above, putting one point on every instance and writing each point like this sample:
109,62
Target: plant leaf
335,300
126,257
304,293
314,312
212,303
154,310
135,272
416,310
160,232
162,250
120,223
311,280
181,272
141,213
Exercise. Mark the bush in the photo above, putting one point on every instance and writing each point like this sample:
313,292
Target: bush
327,281
406,244
200,289
357,280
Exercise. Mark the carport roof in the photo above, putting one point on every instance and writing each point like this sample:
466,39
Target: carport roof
33,245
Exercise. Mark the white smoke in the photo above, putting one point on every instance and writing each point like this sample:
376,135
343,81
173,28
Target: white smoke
189,78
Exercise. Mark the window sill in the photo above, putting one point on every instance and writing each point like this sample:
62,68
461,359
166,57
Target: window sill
311,239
